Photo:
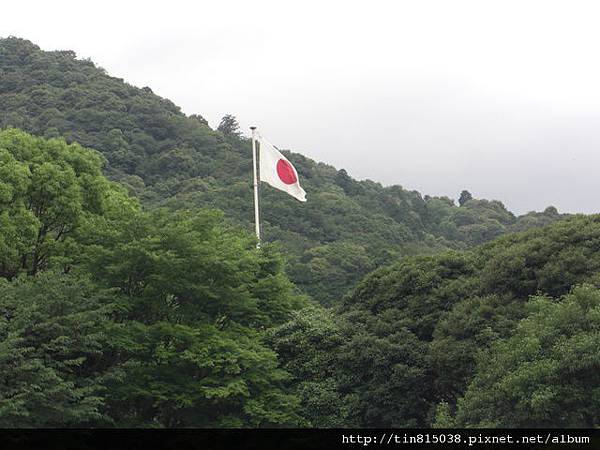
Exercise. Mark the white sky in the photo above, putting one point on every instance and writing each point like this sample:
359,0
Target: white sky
498,97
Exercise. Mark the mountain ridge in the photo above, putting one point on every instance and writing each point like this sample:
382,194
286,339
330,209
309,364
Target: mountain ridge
164,157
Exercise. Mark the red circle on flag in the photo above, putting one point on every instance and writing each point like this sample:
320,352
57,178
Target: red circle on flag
286,172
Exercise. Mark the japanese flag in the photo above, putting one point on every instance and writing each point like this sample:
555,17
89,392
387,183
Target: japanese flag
277,171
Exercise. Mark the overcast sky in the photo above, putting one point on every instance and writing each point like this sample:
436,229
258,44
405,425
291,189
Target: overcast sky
498,97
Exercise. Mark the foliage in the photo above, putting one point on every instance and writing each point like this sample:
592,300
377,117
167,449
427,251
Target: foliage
46,188
229,125
412,338
54,330
168,159
465,196
546,373
309,345
200,298
148,318
169,316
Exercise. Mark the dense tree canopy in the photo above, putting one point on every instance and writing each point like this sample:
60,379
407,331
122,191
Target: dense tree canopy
143,301
46,189
419,340
137,318
54,331
547,373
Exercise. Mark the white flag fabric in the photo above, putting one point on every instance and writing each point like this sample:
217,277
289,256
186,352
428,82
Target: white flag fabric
276,170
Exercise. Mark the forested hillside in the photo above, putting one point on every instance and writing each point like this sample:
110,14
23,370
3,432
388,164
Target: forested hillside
345,230
492,337
132,293
113,316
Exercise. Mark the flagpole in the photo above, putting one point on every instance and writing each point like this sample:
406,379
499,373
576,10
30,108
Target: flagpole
256,213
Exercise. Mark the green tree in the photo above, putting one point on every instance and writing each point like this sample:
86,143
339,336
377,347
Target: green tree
546,374
200,299
309,346
443,416
55,330
472,325
465,196
327,270
47,187
229,126
451,307
150,318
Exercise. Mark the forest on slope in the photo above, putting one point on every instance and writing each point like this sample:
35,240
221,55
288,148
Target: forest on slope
165,158
115,316
112,316
132,294
506,335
